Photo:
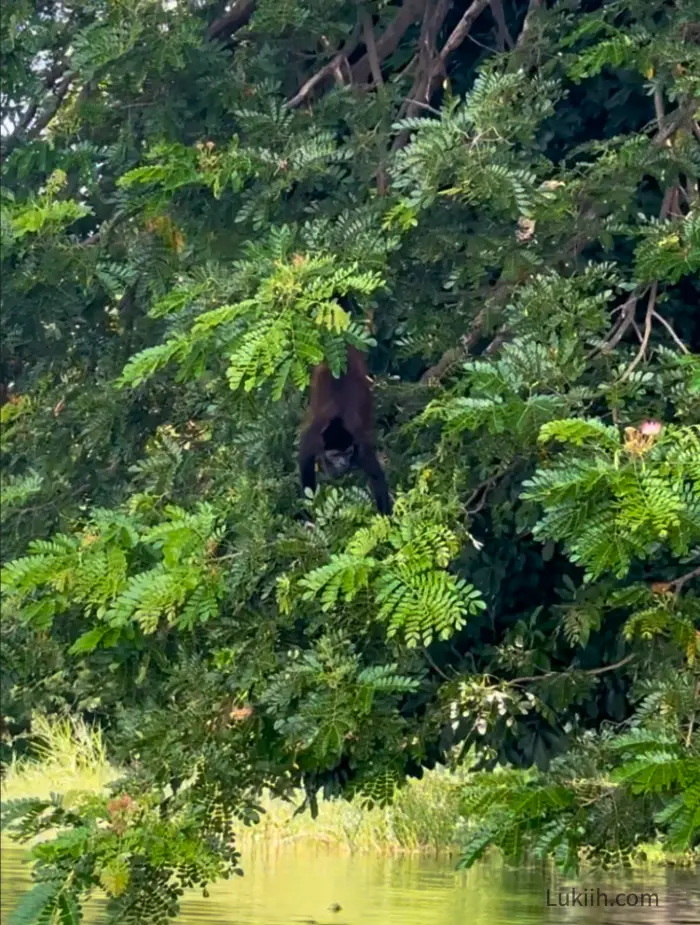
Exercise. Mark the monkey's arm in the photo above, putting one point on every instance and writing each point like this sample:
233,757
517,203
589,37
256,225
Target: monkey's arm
311,446
373,468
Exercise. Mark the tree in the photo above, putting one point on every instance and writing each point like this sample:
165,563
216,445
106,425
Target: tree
187,190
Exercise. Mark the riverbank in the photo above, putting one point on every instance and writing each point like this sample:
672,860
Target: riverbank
424,818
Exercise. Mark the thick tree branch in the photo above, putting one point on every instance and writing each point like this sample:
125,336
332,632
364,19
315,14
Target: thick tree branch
454,354
503,36
678,583
432,23
678,117
388,41
333,67
318,78
666,201
626,319
463,27
526,30
237,17
432,70
501,337
28,129
26,119
371,46
48,82
659,107
449,358
427,53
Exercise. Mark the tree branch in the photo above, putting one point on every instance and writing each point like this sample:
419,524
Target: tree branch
26,131
502,335
670,330
26,119
389,40
591,673
418,104
463,27
691,720
371,46
326,71
503,36
427,78
432,664
678,117
659,107
670,197
620,327
629,310
647,333
418,96
668,202
237,17
530,16
678,583
483,488
455,354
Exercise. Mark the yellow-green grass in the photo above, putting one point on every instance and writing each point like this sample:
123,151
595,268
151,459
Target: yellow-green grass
68,755
424,817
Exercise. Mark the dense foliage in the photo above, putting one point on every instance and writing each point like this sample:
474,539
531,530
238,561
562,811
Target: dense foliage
508,195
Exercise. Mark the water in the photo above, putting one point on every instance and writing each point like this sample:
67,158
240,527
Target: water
298,886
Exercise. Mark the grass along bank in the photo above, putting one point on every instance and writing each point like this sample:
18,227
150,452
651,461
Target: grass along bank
70,755
425,816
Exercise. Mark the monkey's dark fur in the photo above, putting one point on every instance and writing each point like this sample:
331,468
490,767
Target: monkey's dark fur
339,428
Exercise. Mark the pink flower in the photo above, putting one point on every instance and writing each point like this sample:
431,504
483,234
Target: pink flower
650,428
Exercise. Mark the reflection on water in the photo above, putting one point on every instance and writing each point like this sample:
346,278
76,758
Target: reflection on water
298,886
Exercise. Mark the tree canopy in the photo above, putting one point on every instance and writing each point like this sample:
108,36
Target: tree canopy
500,202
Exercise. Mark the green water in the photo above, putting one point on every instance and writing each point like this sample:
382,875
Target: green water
296,886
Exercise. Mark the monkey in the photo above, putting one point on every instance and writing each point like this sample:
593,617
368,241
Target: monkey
339,428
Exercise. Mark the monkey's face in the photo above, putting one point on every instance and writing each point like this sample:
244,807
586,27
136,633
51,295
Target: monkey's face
338,449
337,462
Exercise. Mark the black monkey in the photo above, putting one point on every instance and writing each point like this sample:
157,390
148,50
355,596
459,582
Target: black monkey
339,427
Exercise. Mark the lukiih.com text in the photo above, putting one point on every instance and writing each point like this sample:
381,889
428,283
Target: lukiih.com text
592,898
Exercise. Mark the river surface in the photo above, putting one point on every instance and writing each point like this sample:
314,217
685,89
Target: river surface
301,885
